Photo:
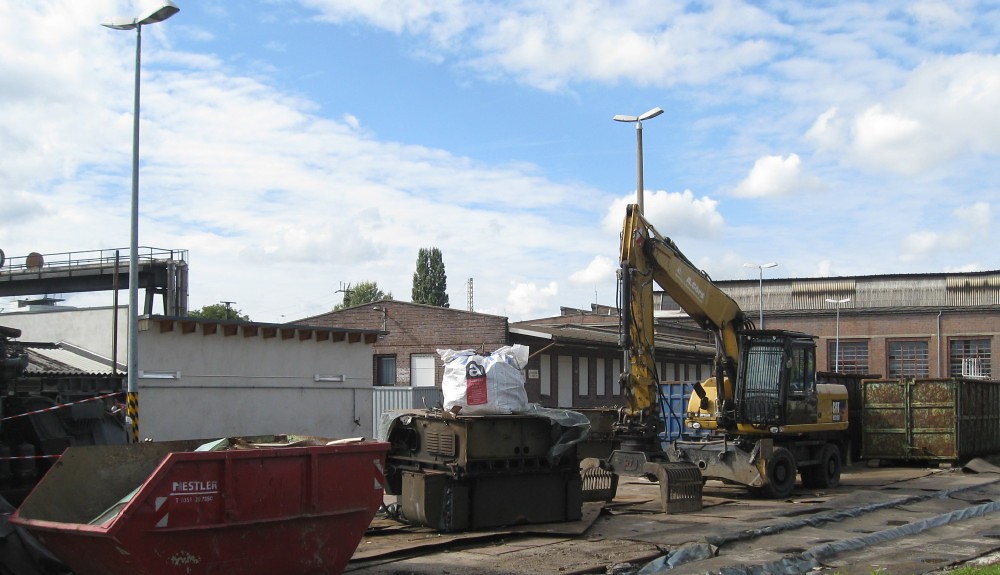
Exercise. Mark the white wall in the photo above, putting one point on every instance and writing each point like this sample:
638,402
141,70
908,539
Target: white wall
90,328
227,385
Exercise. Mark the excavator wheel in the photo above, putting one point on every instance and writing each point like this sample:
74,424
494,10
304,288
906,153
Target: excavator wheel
826,473
781,471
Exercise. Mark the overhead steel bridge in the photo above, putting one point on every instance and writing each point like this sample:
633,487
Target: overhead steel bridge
161,271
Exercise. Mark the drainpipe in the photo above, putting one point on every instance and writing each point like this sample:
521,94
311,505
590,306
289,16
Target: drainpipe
939,374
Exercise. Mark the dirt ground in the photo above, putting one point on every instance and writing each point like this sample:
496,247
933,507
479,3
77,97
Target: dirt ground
889,520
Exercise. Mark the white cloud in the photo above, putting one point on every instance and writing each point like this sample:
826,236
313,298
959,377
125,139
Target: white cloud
978,215
600,270
824,269
671,213
971,225
551,44
948,108
773,176
529,299
935,14
826,131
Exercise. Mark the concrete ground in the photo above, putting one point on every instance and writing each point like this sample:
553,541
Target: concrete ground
889,520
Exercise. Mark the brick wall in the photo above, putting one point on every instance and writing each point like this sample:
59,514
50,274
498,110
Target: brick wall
419,329
879,327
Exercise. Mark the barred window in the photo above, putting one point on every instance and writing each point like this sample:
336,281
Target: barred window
853,356
970,358
908,359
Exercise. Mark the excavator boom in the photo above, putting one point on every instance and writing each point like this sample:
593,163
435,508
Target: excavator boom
648,257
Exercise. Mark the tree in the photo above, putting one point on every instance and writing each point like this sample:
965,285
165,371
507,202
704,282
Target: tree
430,284
360,294
222,310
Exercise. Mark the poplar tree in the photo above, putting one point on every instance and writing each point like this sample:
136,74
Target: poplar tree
430,284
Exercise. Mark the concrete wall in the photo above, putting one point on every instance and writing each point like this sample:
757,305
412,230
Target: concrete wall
239,384
90,328
207,379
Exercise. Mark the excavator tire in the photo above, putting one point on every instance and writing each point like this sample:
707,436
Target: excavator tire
826,473
781,472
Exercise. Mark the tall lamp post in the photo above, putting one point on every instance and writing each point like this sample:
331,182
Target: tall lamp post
761,292
639,190
836,359
159,14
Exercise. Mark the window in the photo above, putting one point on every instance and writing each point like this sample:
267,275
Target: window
853,356
385,370
801,379
422,370
969,358
908,359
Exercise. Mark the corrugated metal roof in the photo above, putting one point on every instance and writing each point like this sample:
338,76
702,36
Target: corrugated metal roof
973,281
59,359
606,335
972,289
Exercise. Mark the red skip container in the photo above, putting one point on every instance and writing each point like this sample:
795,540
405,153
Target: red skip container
296,506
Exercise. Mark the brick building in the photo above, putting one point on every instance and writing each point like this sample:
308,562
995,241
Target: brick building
917,325
575,360
406,351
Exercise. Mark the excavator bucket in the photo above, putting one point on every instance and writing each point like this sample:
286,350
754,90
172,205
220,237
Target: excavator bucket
680,485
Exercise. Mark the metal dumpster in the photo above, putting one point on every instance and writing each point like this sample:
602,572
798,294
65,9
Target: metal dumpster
930,419
297,505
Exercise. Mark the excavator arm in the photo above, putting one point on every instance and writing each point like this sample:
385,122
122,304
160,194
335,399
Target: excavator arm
648,257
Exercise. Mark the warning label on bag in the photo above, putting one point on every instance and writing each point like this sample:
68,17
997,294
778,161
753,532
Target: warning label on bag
475,384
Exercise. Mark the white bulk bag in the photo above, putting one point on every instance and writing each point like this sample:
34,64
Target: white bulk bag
477,385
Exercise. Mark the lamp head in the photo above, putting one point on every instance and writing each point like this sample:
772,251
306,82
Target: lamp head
651,114
158,14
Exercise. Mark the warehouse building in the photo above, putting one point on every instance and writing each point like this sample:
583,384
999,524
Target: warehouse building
904,325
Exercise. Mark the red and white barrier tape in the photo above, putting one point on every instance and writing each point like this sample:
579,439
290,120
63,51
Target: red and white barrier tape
62,405
31,457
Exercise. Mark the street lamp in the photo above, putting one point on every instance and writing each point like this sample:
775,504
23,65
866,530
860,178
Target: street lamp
164,11
639,191
761,293
836,359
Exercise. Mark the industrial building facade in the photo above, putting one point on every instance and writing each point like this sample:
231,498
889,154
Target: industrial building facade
913,325
575,360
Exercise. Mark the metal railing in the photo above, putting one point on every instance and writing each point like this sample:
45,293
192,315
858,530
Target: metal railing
90,260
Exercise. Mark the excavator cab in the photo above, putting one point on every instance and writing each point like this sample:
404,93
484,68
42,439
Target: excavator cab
776,382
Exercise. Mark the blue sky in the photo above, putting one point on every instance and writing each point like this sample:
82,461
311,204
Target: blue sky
295,146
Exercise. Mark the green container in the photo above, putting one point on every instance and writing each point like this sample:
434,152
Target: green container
944,420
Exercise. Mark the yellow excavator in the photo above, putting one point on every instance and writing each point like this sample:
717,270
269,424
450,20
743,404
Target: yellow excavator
762,416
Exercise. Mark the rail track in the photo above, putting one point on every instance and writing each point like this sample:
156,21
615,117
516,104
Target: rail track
880,520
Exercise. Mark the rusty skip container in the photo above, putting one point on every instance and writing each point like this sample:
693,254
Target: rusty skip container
945,420
163,508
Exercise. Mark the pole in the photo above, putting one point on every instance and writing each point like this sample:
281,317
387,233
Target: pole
639,187
760,302
836,360
133,260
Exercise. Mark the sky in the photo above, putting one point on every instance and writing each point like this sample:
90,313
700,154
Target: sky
294,147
